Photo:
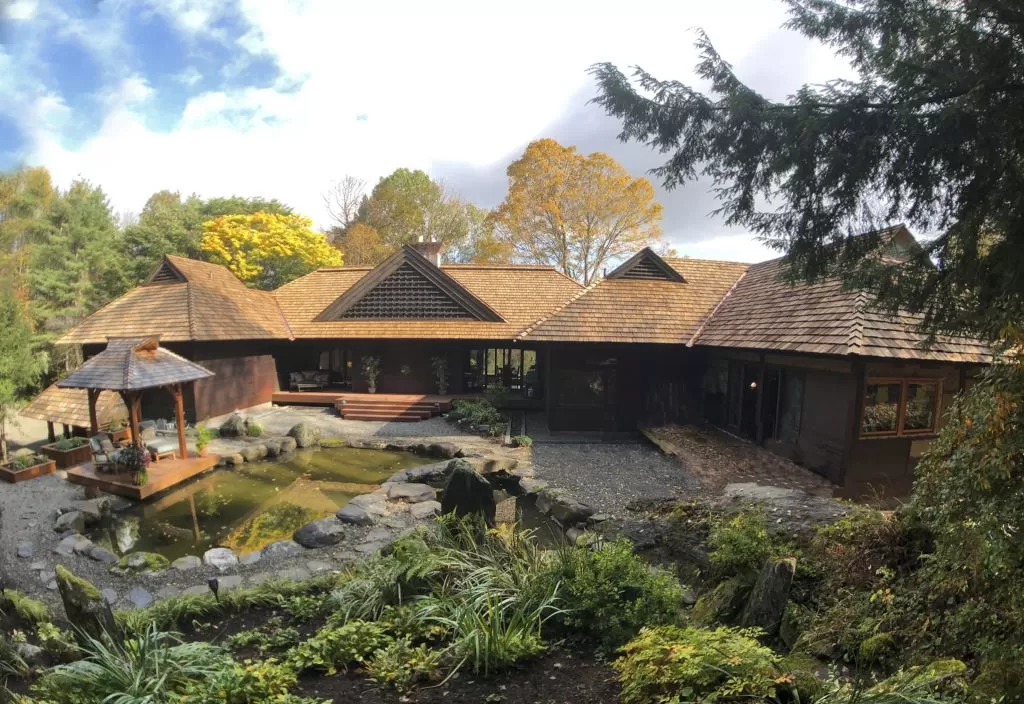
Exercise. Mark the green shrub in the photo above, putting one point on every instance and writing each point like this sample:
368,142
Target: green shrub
203,437
741,544
801,673
522,441
28,609
399,665
876,649
143,669
248,683
25,461
335,647
608,594
11,662
65,444
58,643
672,664
253,429
941,677
272,636
478,413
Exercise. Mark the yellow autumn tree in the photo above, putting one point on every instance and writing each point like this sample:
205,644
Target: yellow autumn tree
576,212
266,250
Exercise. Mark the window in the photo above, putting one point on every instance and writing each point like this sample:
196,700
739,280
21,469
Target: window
898,407
511,368
791,402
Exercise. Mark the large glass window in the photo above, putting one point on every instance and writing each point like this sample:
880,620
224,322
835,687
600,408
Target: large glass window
511,368
896,407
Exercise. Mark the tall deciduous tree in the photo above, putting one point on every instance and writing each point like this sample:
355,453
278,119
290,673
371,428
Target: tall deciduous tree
20,367
362,245
267,250
575,212
342,200
930,132
408,205
25,198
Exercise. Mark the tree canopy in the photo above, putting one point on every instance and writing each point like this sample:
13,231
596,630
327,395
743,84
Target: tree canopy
267,250
929,132
20,367
575,212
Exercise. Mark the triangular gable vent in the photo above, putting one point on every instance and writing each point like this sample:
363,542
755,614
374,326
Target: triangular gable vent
166,274
408,287
646,265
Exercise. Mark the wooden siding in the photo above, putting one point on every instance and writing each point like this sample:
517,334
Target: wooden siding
825,423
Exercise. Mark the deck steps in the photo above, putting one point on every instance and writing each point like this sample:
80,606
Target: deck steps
386,408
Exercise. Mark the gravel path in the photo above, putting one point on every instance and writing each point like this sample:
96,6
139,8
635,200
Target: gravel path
610,476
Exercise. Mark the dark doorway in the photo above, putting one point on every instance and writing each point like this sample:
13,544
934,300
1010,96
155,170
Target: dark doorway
770,402
748,411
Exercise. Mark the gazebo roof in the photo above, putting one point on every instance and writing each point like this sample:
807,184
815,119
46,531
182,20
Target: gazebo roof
133,364
71,407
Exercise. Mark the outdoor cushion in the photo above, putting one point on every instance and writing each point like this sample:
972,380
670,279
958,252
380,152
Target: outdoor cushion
162,445
107,447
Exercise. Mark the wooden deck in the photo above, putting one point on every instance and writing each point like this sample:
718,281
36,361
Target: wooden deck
328,398
386,408
162,475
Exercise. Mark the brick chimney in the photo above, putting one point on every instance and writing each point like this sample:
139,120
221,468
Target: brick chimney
430,250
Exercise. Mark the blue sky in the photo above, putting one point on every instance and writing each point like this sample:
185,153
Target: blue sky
280,97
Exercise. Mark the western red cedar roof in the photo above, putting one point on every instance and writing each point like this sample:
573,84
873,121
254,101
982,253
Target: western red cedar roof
765,312
185,300
642,309
131,364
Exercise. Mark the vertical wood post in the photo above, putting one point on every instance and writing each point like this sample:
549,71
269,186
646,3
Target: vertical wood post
179,412
133,400
94,426
50,432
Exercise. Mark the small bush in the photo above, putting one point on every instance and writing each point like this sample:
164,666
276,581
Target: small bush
11,662
399,665
672,664
609,594
478,413
522,441
248,683
335,647
272,636
65,444
742,544
876,649
253,429
58,643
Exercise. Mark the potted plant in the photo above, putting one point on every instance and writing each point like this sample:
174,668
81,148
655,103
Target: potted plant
203,437
440,367
135,459
119,431
371,371
68,452
29,466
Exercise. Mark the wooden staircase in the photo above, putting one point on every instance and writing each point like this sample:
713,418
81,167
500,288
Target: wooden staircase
390,408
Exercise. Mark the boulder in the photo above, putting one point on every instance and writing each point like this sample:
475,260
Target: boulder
320,534
530,487
71,544
561,506
93,510
109,595
221,558
288,444
363,510
233,427
189,562
31,654
305,435
72,520
234,459
467,493
441,450
411,493
426,474
85,607
101,554
425,509
273,446
768,598
140,597
282,548
250,558
720,605
251,453
261,450
143,562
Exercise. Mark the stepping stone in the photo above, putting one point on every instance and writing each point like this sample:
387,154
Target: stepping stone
198,590
233,581
398,522
101,554
411,493
168,591
72,520
221,558
283,548
316,566
109,595
296,574
250,558
427,509
378,535
140,598
371,547
24,550
189,562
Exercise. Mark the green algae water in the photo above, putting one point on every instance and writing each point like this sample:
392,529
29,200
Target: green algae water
247,507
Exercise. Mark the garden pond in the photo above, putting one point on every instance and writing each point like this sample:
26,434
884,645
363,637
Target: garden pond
247,507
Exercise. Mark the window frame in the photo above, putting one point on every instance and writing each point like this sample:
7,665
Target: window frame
901,408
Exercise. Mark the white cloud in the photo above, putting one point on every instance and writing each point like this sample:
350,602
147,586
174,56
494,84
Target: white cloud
453,82
733,248
189,77
20,10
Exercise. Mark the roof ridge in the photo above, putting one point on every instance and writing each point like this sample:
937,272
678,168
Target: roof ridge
721,302
575,297
280,312
855,338
190,309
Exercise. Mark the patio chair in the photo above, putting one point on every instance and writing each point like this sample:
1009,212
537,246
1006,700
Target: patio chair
104,455
159,446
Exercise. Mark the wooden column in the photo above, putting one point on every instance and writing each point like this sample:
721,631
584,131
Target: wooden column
133,400
93,395
50,433
179,416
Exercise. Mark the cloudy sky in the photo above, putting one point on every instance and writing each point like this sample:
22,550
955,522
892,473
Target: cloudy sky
279,97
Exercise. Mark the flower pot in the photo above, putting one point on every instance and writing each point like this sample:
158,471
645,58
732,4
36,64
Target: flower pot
67,458
372,388
201,451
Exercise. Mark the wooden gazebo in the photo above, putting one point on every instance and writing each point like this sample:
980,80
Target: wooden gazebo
131,366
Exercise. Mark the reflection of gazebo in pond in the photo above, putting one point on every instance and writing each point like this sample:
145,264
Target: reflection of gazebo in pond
130,367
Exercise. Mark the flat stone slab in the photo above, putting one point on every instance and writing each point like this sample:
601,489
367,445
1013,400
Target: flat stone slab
370,547
233,581
221,558
140,598
101,554
189,562
72,544
198,590
167,592
315,566
110,595
282,548
426,509
411,493
250,558
296,574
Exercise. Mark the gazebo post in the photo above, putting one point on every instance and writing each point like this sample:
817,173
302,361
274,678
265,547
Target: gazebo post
133,400
50,432
179,413
93,396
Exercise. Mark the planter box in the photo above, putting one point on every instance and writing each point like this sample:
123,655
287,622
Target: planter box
67,458
122,435
36,470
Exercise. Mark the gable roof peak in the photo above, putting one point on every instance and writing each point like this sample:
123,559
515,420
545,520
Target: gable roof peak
647,265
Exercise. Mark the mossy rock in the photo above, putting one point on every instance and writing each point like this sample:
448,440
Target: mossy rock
947,676
876,649
803,671
996,679
85,606
795,620
721,604
142,562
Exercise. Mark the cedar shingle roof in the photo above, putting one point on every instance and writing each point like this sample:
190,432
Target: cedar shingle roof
765,312
519,294
129,364
206,302
642,310
71,407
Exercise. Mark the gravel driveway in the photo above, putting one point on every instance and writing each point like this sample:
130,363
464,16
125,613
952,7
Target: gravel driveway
610,476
